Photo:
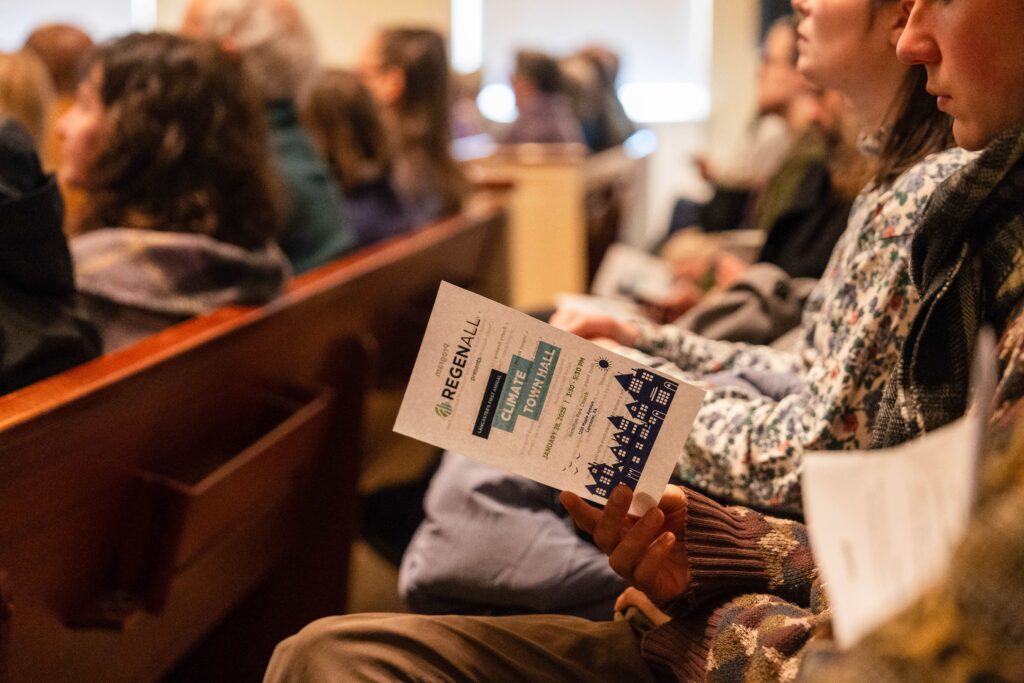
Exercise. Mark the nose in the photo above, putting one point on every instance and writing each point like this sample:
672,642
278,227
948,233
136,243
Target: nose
917,43
800,7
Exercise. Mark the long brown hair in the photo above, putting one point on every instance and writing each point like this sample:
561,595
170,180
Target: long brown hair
342,118
186,146
421,116
918,127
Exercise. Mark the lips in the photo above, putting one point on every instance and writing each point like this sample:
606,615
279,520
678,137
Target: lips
942,100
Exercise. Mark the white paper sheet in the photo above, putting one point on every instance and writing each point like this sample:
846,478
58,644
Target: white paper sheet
883,524
506,389
587,303
631,273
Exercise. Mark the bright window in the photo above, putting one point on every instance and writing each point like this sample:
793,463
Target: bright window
665,47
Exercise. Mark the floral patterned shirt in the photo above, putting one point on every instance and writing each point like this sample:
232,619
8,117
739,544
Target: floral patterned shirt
748,447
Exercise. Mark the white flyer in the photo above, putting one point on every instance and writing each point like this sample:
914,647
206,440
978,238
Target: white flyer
631,273
508,390
588,303
883,524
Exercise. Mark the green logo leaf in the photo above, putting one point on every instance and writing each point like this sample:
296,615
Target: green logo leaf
443,409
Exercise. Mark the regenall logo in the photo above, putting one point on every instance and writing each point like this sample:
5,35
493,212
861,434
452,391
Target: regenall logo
443,409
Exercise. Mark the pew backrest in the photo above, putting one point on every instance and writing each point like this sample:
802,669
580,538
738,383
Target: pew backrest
146,495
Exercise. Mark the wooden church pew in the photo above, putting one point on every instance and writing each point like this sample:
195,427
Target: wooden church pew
206,475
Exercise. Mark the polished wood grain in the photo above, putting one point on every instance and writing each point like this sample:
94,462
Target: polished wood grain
141,496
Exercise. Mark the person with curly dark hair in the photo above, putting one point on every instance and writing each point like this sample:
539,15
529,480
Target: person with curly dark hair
169,142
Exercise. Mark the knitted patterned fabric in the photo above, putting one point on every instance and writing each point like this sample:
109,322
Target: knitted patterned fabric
756,611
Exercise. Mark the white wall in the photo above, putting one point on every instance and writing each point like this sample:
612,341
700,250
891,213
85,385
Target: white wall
734,64
99,18
342,26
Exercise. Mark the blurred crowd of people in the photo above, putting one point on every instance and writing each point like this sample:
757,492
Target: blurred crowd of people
883,174
228,145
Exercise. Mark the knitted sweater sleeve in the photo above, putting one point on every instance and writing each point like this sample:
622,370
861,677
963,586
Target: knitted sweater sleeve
753,602
754,638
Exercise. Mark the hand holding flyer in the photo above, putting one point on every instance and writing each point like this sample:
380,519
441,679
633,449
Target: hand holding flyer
501,387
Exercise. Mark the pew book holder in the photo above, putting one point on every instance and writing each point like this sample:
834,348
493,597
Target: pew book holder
260,462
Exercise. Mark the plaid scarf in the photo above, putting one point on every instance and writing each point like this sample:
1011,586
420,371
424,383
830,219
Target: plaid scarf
968,264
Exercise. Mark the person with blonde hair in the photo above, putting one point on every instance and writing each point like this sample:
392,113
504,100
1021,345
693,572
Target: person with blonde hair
26,92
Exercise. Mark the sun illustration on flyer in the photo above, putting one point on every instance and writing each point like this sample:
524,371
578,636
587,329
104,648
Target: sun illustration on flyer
603,363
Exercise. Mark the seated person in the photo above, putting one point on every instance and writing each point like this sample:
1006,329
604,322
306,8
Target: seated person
344,122
716,594
545,115
26,92
64,49
764,407
278,55
805,207
43,328
966,628
169,143
737,174
588,78
747,447
616,126
406,71
467,121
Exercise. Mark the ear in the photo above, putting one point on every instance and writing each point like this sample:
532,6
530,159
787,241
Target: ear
897,16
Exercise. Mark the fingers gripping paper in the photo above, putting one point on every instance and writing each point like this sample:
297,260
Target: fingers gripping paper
510,391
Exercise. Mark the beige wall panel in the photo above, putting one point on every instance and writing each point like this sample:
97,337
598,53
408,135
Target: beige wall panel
734,65
342,26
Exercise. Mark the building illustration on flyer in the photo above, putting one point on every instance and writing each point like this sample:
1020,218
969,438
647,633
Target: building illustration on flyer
501,387
637,434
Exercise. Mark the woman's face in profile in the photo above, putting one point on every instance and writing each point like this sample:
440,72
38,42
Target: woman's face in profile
841,42
80,131
385,83
827,36
974,53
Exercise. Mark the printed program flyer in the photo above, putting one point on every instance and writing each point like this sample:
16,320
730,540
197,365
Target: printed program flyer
501,387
